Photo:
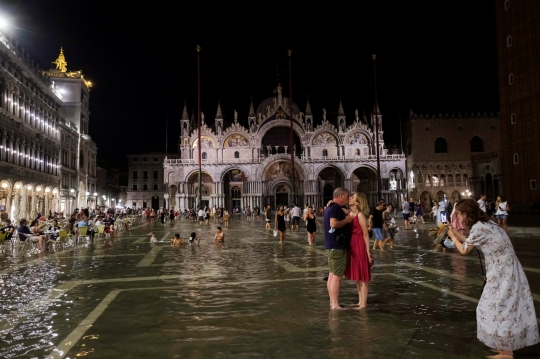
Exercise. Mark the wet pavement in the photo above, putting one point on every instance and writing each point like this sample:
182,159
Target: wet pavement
251,297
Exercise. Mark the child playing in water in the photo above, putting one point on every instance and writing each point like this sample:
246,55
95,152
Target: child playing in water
176,241
193,237
153,238
220,236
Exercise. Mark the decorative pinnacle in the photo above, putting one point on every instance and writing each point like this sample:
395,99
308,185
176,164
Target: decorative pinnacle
198,48
289,52
374,57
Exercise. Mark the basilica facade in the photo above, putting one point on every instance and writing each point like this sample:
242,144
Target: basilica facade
252,166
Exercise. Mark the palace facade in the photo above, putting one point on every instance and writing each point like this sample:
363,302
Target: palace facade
251,166
448,155
47,158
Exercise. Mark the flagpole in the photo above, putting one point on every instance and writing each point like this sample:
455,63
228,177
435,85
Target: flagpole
293,194
379,184
166,136
199,199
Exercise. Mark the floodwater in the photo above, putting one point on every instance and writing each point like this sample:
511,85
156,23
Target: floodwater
247,298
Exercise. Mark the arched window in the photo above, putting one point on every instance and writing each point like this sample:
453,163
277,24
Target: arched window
440,145
203,155
236,193
506,4
513,119
510,79
357,152
325,153
509,41
477,145
516,158
236,154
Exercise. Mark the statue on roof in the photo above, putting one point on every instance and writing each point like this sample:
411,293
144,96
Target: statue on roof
60,62
324,114
278,88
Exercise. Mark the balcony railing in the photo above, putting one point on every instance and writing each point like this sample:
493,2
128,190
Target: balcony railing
178,161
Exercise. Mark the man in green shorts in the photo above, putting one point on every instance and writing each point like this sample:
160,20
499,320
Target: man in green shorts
335,222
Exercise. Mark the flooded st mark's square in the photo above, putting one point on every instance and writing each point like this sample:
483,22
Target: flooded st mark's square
250,297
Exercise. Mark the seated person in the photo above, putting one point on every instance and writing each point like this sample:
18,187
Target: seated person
70,226
220,236
8,229
25,233
176,241
53,231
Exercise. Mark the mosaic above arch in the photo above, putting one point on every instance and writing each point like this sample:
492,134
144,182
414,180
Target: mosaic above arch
356,138
236,140
236,175
206,142
324,138
280,169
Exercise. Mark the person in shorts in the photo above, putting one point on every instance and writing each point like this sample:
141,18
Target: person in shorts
406,212
376,224
335,218
267,215
295,212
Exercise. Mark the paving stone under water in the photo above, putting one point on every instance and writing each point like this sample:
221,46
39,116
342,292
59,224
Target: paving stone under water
247,298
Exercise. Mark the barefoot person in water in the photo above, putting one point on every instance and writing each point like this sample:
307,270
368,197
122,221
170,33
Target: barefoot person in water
335,218
220,236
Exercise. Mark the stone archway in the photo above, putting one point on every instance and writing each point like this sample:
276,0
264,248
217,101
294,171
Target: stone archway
207,189
282,192
364,180
233,184
440,196
330,178
425,198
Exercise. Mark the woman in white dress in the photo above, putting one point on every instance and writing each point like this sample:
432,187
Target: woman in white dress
506,319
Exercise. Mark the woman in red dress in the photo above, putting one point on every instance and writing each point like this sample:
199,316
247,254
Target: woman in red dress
358,256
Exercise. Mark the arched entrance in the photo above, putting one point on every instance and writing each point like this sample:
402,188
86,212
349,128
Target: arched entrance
155,202
233,183
425,198
330,179
282,195
365,181
440,196
454,197
207,185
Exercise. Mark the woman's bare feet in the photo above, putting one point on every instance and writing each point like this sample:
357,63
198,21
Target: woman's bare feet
502,354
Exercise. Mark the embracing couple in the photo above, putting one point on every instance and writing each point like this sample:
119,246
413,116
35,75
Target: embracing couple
352,261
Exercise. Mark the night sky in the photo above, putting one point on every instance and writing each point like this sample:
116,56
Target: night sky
141,57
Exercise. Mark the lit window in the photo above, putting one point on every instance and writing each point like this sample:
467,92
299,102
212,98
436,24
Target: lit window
516,158
513,119
509,41
511,79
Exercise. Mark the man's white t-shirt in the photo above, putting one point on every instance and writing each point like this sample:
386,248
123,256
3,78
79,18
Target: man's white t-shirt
201,213
296,211
482,204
